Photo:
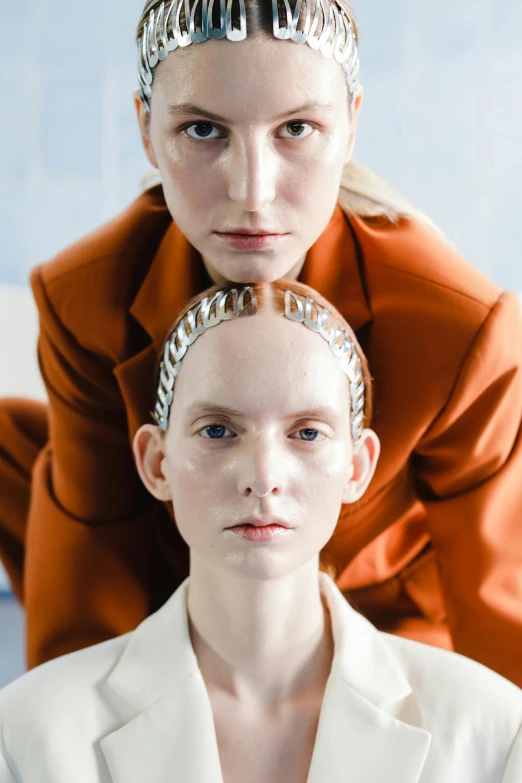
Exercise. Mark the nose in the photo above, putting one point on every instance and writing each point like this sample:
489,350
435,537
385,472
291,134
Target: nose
252,176
261,470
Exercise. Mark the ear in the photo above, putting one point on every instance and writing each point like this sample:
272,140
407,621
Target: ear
149,453
364,459
144,124
354,116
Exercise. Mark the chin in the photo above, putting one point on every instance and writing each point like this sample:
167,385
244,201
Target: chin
254,270
260,569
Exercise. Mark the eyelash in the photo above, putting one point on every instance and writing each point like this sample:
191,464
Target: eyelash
312,429
186,128
301,429
210,426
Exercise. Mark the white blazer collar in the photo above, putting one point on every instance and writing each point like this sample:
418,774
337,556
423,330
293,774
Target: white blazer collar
173,735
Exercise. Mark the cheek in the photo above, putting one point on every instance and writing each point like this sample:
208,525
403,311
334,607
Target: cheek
188,479
312,182
320,480
198,483
188,176
328,172
190,183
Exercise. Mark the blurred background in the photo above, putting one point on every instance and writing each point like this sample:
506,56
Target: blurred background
442,121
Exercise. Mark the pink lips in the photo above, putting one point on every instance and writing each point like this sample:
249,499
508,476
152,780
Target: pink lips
249,231
249,239
261,531
259,534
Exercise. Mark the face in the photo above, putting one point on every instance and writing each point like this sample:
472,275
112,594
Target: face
250,136
259,430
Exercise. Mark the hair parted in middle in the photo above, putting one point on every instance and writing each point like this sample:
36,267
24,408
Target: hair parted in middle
325,25
259,298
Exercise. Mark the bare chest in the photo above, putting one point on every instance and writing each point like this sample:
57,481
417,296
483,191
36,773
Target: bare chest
278,750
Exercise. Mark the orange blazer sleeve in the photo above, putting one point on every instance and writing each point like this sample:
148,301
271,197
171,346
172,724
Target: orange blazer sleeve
469,467
86,564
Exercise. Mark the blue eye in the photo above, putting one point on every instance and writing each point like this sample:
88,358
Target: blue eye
308,434
215,431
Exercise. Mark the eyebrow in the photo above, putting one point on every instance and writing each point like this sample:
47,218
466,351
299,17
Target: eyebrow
203,409
190,109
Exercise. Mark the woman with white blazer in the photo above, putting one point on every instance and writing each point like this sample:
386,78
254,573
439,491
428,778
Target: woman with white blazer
257,669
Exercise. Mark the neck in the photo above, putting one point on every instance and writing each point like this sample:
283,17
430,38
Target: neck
263,642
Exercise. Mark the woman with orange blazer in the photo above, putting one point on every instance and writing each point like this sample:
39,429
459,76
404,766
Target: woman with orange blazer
258,183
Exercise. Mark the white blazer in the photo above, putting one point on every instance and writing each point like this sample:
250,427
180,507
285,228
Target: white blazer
136,710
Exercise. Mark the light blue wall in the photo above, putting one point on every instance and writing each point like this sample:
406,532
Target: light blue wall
442,121
69,150
443,118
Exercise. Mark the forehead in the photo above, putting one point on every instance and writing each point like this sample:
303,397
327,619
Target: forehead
274,73
263,363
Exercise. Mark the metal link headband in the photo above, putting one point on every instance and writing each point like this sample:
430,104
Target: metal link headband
226,305
191,326
341,345
330,31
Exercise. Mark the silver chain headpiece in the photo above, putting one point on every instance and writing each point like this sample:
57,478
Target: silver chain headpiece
222,306
319,320
226,305
328,30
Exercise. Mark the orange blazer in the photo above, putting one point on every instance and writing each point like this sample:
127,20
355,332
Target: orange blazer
434,549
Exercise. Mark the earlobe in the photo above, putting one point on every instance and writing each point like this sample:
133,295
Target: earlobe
365,458
350,492
148,448
358,101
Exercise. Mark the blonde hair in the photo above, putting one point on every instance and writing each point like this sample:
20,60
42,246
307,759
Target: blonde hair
361,192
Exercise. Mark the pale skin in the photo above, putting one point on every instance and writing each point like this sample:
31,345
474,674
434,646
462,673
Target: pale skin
282,448
264,151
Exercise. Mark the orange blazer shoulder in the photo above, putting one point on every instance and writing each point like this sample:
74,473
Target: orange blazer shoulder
440,522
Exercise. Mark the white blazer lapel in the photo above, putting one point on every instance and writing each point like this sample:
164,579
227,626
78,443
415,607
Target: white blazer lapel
358,740
173,735
360,743
173,740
